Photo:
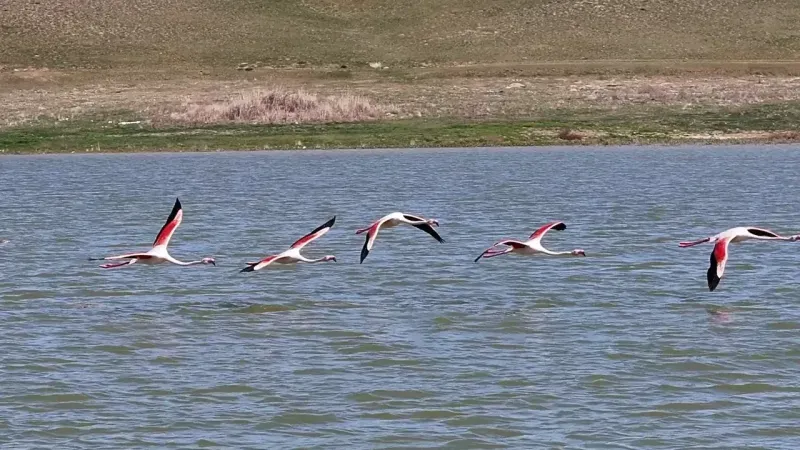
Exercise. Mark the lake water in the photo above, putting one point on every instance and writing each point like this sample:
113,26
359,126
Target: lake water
418,346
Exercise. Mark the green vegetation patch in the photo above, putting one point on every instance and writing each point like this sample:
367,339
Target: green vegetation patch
761,123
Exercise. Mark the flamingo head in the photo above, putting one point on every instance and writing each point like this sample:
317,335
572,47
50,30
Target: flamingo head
209,260
433,222
329,258
578,252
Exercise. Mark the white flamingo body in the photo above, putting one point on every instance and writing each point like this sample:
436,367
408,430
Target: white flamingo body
156,255
533,246
392,220
159,253
292,255
719,256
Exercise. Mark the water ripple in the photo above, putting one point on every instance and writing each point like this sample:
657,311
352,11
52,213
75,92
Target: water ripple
419,346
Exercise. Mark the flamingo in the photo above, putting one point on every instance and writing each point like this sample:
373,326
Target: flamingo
292,255
532,246
4,241
158,254
392,220
719,256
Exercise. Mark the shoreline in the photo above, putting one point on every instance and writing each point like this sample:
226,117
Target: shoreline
599,129
44,112
733,139
320,151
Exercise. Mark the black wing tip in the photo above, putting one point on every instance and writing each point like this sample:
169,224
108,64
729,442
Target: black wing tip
430,230
560,226
364,250
330,223
175,208
248,269
713,279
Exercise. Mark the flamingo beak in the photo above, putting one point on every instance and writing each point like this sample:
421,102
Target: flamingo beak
333,259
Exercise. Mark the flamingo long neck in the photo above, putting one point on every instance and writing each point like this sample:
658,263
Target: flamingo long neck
182,263
537,245
186,263
549,252
312,261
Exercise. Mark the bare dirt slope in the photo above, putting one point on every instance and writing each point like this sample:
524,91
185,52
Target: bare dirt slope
222,33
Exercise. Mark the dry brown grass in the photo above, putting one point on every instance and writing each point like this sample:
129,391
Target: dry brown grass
278,106
28,96
784,136
569,135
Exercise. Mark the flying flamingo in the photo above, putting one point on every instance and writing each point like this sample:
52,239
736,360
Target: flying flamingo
158,254
292,255
720,254
532,246
393,220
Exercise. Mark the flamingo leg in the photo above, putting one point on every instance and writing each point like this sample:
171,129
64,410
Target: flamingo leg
491,252
494,253
115,265
116,257
693,243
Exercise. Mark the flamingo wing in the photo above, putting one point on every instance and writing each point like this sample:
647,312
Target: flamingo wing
115,265
173,221
559,226
719,256
413,218
426,227
761,232
492,252
252,267
369,242
317,233
128,256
